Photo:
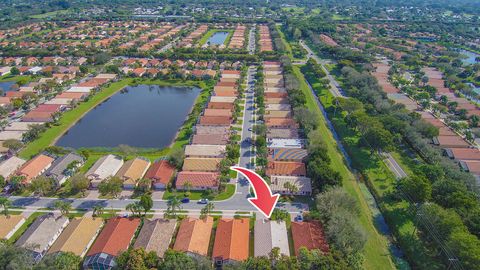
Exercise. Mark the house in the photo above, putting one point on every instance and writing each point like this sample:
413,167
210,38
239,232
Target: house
78,236
202,150
156,235
197,180
287,168
210,139
463,153
107,166
218,112
10,225
282,133
472,166
201,164
161,172
288,154
308,234
193,236
268,235
208,130
112,240
281,123
9,166
19,126
41,235
132,171
231,241
450,142
37,116
64,167
35,167
302,184
215,120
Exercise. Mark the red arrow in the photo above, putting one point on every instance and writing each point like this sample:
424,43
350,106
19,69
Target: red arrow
264,201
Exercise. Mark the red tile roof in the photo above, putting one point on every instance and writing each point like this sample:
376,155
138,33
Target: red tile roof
232,239
308,234
161,171
197,179
286,168
115,236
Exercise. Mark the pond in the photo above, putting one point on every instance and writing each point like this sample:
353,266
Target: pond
218,38
140,116
470,57
6,86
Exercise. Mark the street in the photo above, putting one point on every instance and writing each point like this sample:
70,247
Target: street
238,202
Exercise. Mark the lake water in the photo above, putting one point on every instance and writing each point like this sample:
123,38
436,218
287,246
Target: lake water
6,86
470,60
141,116
218,38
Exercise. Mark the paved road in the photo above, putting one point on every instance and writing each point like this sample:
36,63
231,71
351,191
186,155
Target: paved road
251,40
335,89
334,85
238,202
169,45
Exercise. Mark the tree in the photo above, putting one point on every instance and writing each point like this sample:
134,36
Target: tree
467,248
173,205
63,206
207,209
13,145
176,157
258,263
137,259
174,260
2,182
424,80
5,203
79,183
13,257
60,261
98,210
112,186
127,150
344,232
379,138
42,185
335,200
146,202
291,188
187,186
416,187
135,208
33,132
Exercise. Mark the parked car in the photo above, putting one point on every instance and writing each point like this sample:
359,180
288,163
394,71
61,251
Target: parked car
203,201
185,200
299,218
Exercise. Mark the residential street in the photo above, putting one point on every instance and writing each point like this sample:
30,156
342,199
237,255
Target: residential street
238,202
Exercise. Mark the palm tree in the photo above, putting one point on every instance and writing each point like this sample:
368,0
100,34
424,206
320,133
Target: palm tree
5,203
291,188
188,186
207,209
173,205
133,207
98,210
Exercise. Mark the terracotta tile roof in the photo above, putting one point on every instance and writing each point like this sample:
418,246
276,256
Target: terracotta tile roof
212,139
310,235
160,171
286,168
281,122
232,239
218,112
194,236
48,108
215,120
115,236
216,105
133,169
450,141
463,153
200,150
35,167
197,179
201,164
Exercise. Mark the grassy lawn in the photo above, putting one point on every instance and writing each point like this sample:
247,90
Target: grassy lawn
197,195
49,14
376,252
381,183
19,79
69,118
